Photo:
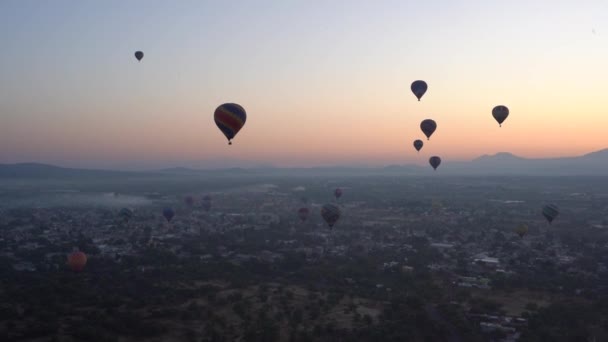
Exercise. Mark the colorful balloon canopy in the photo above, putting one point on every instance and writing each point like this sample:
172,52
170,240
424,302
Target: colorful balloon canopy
338,193
435,162
418,144
230,118
500,114
303,213
521,230
550,212
77,260
428,127
139,55
168,213
331,214
419,88
206,203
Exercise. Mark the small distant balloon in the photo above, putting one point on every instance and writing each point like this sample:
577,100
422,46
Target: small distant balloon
303,213
189,200
419,88
139,55
521,230
230,118
338,193
550,212
435,162
77,260
125,214
331,214
206,203
418,144
168,213
500,114
428,127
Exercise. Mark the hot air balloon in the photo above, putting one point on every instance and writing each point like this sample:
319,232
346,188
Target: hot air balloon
428,127
230,118
331,214
418,144
77,260
550,212
206,203
338,193
303,213
125,214
168,214
521,230
435,162
189,201
500,114
139,55
419,88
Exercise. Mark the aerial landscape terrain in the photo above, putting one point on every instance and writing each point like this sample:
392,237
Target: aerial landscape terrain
418,258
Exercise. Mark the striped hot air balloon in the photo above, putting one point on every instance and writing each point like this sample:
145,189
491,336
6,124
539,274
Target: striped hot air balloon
230,118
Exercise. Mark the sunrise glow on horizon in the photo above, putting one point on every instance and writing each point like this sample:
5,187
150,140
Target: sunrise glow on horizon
323,83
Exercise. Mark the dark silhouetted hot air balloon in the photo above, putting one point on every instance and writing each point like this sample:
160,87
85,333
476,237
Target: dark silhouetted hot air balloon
77,260
338,193
303,213
550,212
419,88
521,230
428,127
168,214
500,114
230,118
331,214
189,200
435,162
139,55
418,144
125,214
206,203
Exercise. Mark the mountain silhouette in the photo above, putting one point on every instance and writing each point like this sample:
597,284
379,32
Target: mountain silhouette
503,163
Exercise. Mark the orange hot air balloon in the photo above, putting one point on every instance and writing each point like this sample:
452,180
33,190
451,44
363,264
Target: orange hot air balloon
77,260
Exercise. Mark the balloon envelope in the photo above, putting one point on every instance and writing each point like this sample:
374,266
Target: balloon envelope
139,55
338,193
303,214
168,214
77,260
206,203
419,88
418,144
521,230
500,114
550,212
435,162
189,200
230,118
428,127
125,214
331,214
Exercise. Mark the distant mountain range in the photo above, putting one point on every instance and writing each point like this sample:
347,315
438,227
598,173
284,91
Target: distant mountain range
592,164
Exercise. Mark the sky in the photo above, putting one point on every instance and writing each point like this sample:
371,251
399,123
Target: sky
323,82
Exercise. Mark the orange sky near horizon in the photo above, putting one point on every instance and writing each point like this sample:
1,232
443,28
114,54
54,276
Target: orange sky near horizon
329,94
